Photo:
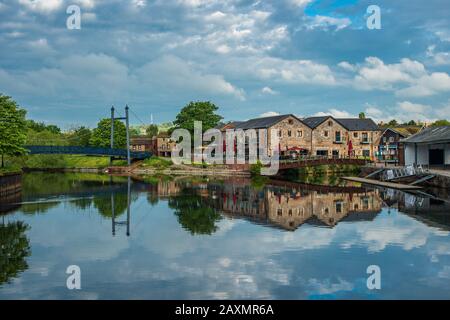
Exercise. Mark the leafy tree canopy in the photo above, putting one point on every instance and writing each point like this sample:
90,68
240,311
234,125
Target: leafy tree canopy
41,126
362,115
440,123
152,130
80,136
198,111
101,136
12,127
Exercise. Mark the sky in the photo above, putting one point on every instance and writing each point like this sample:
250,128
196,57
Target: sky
251,58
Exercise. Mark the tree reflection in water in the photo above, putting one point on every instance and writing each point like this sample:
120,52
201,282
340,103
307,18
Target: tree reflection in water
14,248
193,214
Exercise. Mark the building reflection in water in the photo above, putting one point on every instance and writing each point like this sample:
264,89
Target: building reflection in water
289,208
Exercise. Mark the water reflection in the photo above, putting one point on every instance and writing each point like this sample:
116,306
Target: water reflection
194,238
199,204
14,248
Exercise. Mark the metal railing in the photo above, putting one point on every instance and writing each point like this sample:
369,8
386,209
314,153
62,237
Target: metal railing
408,171
95,151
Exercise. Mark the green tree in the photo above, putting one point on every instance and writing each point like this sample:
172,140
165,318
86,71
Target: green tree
80,136
41,126
412,123
134,132
101,136
362,115
12,128
152,130
198,111
393,123
440,123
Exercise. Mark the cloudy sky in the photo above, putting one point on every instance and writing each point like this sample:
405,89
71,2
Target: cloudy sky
249,57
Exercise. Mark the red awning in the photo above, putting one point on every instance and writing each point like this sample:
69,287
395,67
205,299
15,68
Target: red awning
350,147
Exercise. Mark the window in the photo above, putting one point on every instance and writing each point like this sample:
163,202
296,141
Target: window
289,133
391,139
280,133
338,207
355,134
322,152
330,123
290,121
384,139
365,137
335,153
366,153
280,212
290,213
299,133
325,134
338,136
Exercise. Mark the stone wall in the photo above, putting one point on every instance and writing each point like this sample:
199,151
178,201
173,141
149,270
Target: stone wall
324,138
294,133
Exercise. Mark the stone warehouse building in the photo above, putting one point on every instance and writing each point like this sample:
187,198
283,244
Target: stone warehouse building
322,136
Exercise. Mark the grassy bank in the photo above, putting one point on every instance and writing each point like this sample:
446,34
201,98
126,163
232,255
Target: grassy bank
63,161
10,169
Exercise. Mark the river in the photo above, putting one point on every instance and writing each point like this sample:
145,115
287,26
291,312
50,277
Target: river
198,238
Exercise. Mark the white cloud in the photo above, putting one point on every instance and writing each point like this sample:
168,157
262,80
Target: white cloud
413,107
269,114
300,3
88,17
99,75
292,71
268,90
43,6
326,22
176,73
335,113
86,4
347,66
139,3
408,78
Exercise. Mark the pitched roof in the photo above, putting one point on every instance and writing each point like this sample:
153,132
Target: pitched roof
406,131
260,123
351,124
314,122
432,134
356,124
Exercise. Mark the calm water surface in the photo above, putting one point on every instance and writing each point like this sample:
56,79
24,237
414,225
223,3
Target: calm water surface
175,238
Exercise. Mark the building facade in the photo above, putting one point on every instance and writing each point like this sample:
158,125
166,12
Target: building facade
162,145
389,150
429,147
141,143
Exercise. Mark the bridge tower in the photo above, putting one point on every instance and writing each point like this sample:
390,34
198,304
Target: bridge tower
127,125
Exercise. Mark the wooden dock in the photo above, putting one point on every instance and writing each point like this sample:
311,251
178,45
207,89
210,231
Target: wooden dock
385,184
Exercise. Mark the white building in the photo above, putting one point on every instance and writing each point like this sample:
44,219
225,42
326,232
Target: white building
430,146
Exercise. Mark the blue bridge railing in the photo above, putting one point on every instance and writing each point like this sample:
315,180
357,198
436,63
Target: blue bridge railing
91,151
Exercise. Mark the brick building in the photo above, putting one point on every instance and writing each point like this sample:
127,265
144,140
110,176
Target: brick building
141,143
162,145
322,136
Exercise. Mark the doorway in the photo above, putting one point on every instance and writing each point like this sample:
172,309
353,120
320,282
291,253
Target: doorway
436,157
